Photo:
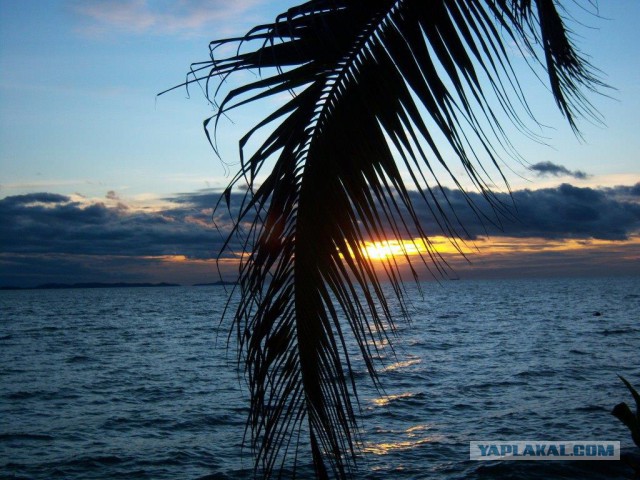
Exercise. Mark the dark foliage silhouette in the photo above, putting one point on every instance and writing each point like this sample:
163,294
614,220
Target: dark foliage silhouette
632,421
623,413
376,87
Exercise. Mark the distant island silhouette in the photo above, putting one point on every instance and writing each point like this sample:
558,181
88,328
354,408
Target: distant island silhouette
56,286
219,283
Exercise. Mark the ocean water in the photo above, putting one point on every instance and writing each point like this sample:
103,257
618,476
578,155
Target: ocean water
139,383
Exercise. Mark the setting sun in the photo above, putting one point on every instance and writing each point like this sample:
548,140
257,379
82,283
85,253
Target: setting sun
386,249
393,248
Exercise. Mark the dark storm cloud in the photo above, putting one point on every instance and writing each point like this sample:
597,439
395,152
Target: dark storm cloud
549,168
45,223
48,223
48,237
627,191
31,198
562,212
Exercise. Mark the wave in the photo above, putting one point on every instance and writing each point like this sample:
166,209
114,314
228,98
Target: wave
618,331
25,395
592,408
7,437
578,352
494,384
549,372
145,407
78,359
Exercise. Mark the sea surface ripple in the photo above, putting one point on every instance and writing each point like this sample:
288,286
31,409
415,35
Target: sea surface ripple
140,382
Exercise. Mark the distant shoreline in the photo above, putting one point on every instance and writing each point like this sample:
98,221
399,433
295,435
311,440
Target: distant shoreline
215,284
60,286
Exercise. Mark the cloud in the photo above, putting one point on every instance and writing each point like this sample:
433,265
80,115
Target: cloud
36,269
50,223
47,236
548,168
501,257
33,198
112,195
563,212
159,18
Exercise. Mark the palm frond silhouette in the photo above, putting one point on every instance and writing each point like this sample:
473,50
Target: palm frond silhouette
378,88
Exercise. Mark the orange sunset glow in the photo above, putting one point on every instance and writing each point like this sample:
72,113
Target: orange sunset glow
483,246
509,255
393,248
386,249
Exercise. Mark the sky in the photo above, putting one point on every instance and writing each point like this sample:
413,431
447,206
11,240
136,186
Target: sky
103,180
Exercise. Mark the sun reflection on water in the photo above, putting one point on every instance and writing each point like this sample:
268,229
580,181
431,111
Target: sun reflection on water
403,364
412,437
382,401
